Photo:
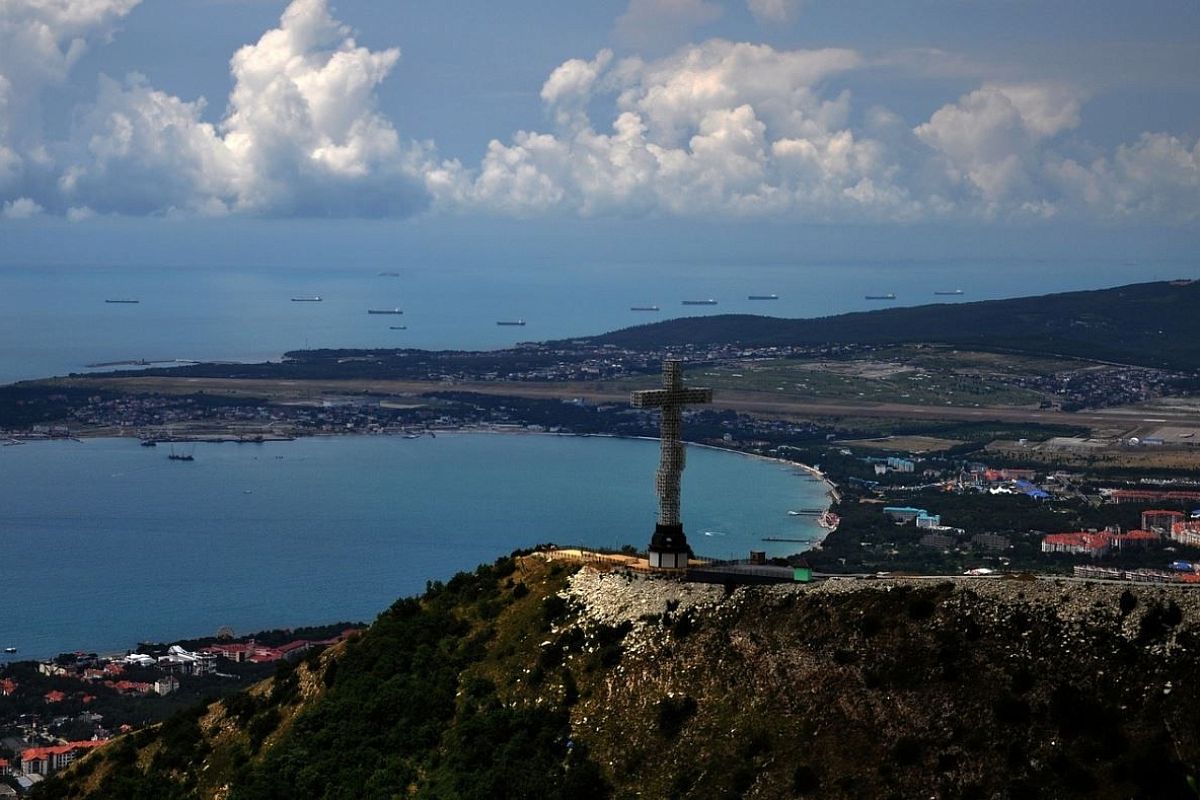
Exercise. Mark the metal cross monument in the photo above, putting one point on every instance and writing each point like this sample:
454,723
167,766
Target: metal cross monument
668,546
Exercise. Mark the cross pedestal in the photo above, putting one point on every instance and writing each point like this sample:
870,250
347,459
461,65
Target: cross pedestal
668,546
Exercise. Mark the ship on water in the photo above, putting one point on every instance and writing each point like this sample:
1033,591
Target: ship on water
949,292
763,297
389,274
520,323
888,296
122,301
316,298
384,311
397,327
644,308
708,302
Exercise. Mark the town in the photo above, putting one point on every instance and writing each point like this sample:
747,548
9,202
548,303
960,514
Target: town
54,711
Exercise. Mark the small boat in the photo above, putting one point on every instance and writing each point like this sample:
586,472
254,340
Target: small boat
948,292
763,297
316,298
520,323
397,327
389,274
708,302
10,649
888,296
644,308
125,302
149,443
384,311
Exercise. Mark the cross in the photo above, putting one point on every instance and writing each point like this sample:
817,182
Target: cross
668,534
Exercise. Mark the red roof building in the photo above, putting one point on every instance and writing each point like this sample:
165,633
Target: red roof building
1082,543
8,687
1186,533
55,696
45,760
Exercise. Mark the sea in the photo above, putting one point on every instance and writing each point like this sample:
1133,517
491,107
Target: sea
107,543
54,319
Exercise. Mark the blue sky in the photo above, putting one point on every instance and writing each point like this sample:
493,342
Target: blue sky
754,127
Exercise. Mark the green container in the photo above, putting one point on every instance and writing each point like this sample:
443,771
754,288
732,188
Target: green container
802,574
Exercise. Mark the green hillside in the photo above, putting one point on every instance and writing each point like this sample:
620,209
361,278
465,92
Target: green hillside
530,679
1149,324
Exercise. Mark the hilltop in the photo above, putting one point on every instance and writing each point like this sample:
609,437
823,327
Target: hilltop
531,678
1149,324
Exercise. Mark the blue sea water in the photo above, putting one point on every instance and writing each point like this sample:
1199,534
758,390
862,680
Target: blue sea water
53,319
107,543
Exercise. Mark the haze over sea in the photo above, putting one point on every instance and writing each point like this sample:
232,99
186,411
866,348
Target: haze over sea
121,545
53,319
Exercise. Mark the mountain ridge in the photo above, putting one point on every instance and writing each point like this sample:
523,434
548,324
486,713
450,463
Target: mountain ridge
1147,324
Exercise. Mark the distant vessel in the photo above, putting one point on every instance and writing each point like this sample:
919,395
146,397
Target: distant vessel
384,311
644,308
314,299
708,302
10,649
517,322
173,456
763,297
397,327
949,292
888,296
149,443
389,274
116,300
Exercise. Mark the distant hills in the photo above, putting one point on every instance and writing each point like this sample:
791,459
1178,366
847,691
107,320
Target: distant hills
1148,324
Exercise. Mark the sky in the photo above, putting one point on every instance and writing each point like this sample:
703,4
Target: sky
756,128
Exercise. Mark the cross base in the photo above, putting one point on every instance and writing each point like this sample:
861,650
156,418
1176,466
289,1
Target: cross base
668,548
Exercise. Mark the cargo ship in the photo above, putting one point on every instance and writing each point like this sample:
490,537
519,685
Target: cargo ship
520,323
949,292
389,274
384,311
708,302
314,299
122,301
397,327
763,297
644,308
888,296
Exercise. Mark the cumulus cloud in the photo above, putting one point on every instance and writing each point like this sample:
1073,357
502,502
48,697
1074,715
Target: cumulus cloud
21,208
717,127
1156,177
990,143
301,136
40,41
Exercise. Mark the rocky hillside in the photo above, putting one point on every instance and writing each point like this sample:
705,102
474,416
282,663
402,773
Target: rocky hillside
536,679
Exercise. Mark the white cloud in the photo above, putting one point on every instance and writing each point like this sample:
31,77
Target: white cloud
301,136
990,143
40,41
715,128
21,208
773,11
1156,177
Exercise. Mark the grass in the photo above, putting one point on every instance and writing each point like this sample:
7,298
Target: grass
864,381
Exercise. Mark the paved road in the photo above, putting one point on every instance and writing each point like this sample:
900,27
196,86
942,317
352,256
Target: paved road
757,403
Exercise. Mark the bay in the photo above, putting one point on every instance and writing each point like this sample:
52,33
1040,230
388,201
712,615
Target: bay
107,543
